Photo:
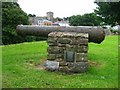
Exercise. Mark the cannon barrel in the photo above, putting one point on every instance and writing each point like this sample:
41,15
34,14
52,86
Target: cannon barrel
96,35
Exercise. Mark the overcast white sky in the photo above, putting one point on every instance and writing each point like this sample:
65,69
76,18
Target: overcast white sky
61,8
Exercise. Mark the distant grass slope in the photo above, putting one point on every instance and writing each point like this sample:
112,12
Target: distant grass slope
19,70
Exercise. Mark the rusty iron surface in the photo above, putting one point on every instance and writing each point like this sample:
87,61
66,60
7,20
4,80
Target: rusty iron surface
96,35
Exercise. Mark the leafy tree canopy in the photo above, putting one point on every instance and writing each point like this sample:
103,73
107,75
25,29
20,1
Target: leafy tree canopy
12,15
109,11
31,15
89,19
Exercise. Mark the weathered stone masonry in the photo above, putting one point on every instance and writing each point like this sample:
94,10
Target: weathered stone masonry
67,51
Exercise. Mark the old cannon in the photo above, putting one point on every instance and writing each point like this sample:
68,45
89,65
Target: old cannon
96,35
68,46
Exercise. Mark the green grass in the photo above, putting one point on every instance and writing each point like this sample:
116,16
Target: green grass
19,70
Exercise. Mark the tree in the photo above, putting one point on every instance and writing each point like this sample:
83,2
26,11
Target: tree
75,20
65,18
109,12
12,15
90,19
58,19
31,15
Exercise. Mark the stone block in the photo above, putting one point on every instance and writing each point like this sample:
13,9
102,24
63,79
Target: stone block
55,49
78,67
64,40
85,35
52,44
64,68
61,45
82,49
82,35
59,59
71,47
51,56
61,49
73,41
69,34
52,34
59,55
81,41
51,40
59,34
81,57
63,63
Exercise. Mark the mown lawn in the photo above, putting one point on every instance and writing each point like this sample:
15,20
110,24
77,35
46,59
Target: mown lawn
19,67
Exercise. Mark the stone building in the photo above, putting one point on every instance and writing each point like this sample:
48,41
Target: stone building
45,20
44,23
36,20
50,16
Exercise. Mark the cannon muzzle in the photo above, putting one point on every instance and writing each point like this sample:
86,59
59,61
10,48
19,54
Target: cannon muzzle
96,35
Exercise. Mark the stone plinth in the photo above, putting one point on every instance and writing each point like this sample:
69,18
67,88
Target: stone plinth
67,52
